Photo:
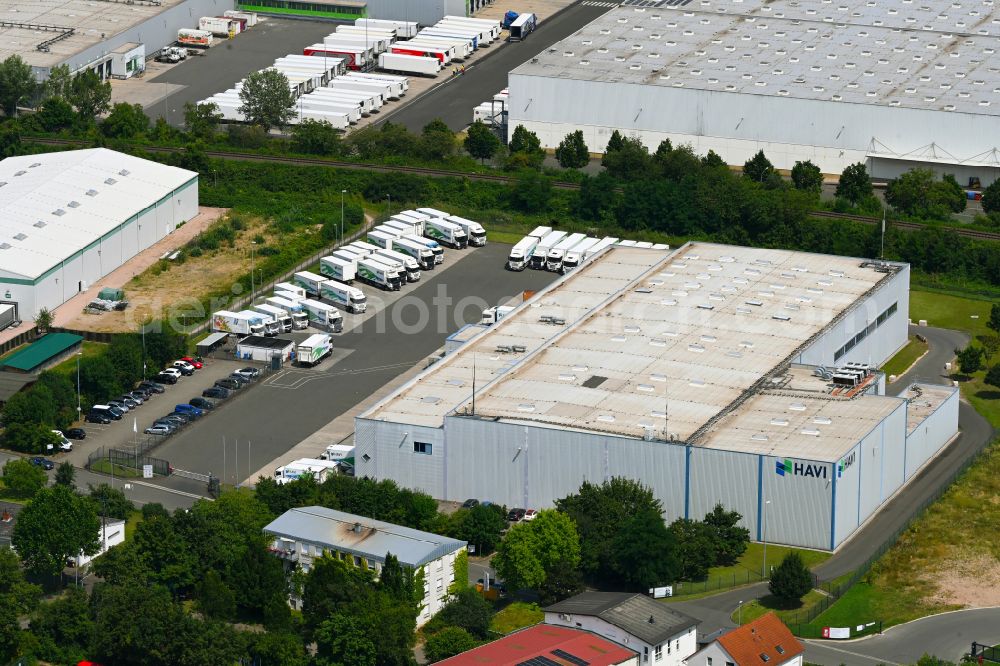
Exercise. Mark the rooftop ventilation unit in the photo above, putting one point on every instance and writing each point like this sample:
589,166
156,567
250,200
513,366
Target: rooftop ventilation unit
39,224
91,193
123,172
20,237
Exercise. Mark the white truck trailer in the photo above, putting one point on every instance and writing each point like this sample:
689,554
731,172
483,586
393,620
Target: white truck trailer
421,253
601,244
336,268
320,470
283,319
381,238
431,245
293,309
271,325
313,349
496,313
238,323
378,274
344,296
338,452
309,282
521,254
362,248
549,241
323,315
404,226
446,233
404,29
409,64
408,263
576,255
290,288
555,256
473,230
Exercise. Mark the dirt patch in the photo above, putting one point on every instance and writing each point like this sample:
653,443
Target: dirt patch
971,582
172,292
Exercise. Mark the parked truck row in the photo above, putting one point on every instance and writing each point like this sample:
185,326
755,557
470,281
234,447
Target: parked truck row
561,251
336,458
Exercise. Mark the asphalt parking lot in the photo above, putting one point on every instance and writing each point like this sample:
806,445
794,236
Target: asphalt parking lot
293,403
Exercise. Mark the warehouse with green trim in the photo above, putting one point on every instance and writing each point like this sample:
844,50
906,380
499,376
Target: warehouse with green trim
67,219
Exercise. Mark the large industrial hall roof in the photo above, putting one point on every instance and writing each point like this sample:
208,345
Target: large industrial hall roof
645,342
887,52
55,204
92,21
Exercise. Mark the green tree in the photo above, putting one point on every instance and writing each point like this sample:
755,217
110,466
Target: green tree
89,95
202,120
993,376
598,197
43,320
260,586
949,194
274,648
467,610
17,84
17,597
315,137
481,526
531,551
22,478
599,510
970,359
994,321
758,168
629,162
33,406
55,526
111,502
59,84
525,149
10,141
215,599
644,552
572,151
615,143
342,641
66,474
166,558
855,184
266,100
448,642
991,197
29,437
531,192
126,121
480,142
136,625
918,193
437,140
807,177
731,539
712,160
697,545
791,580
56,114
64,627
560,584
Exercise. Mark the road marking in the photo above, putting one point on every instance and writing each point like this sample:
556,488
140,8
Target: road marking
853,654
594,3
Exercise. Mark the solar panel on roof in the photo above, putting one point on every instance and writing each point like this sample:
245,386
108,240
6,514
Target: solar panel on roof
539,661
571,658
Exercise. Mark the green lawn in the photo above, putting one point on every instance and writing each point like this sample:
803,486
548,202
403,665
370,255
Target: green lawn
516,616
131,523
905,357
948,311
104,467
872,602
511,237
68,367
747,570
789,614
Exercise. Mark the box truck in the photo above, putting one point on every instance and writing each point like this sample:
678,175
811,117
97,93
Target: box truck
239,323
473,230
378,274
442,54
601,244
446,233
338,452
271,325
521,254
313,349
495,314
279,315
323,315
309,282
421,253
522,26
362,248
290,288
220,27
554,257
407,262
545,244
409,64
350,256
318,469
344,296
541,232
431,245
380,238
337,268
292,308
405,226
576,255
352,57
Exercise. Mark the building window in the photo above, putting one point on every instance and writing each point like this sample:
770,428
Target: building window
709,661
422,447
729,663
658,653
357,561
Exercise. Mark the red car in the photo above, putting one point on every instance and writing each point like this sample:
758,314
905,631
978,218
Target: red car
196,363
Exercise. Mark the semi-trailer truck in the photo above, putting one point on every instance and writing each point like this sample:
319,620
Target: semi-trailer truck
362,247
431,245
309,282
271,325
344,296
521,254
446,233
404,227
377,274
290,288
473,230
239,323
292,308
554,257
338,452
407,262
337,268
549,241
323,315
380,238
576,255
421,253
283,319
313,349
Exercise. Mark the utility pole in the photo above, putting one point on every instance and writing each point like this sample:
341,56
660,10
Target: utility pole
342,193
78,355
253,245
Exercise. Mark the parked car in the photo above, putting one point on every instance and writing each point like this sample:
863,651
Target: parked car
514,515
251,373
76,433
530,514
119,405
129,400
230,384
174,419
141,394
152,386
97,417
216,392
176,372
166,378
161,429
193,361
202,403
242,379
44,463
186,368
470,503
189,409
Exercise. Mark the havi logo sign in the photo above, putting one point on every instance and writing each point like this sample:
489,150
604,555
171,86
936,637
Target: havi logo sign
846,463
788,467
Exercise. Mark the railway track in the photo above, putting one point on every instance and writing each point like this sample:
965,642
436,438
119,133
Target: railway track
486,177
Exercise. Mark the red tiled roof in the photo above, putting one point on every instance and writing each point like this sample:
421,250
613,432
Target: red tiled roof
540,641
763,636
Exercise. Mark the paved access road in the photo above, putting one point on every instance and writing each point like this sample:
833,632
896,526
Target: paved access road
454,100
277,414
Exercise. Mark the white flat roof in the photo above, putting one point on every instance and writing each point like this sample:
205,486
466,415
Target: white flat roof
53,205
646,331
887,52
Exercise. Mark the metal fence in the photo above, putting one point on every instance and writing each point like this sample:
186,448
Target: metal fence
129,459
984,653
717,583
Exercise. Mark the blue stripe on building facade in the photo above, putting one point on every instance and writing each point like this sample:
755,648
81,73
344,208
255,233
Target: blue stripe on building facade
760,491
833,510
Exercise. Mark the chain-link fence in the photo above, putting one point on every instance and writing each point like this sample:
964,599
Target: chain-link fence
126,462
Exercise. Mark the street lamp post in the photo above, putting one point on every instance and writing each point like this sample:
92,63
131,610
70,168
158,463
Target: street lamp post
342,193
388,212
253,245
739,614
763,525
78,355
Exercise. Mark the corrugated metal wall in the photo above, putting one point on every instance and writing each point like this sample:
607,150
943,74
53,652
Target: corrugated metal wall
932,434
800,512
390,447
726,477
424,13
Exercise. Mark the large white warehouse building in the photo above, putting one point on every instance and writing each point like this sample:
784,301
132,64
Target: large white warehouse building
707,373
67,219
891,83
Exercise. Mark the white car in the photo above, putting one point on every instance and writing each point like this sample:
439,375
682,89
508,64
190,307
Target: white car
157,430
173,371
64,444
530,514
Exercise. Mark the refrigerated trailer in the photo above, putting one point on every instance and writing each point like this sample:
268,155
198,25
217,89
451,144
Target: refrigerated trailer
309,281
410,264
313,349
522,26
323,315
549,241
554,258
337,268
410,64
404,29
461,49
403,81
367,102
283,319
431,245
521,254
443,54
484,35
493,26
294,310
446,233
374,90
378,274
344,296
395,88
308,105
466,37
353,57
423,255
575,256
